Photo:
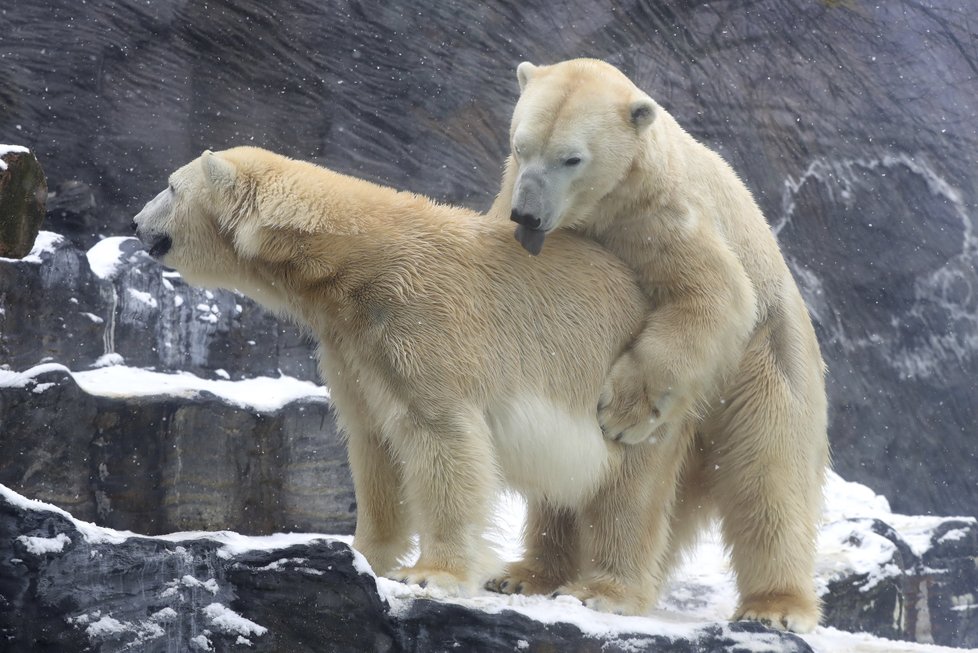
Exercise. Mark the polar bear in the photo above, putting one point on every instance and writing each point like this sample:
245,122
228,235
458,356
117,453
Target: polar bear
729,345
455,362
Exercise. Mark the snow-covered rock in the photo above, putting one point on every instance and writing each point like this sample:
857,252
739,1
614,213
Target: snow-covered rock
74,586
156,452
112,591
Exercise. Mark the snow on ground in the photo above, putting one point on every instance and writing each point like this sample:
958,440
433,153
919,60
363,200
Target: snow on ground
705,577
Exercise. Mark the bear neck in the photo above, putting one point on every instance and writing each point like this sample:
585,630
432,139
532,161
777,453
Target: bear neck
362,248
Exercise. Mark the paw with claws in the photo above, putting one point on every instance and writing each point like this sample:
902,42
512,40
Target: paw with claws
519,578
783,612
631,411
605,596
431,577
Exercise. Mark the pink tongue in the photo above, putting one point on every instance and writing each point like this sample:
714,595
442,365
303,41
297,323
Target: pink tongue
530,239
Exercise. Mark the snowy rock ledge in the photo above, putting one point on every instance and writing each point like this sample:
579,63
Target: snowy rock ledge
157,453
69,586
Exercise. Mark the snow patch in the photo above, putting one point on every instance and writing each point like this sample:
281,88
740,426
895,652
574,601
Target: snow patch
142,297
210,584
953,535
46,241
263,394
105,257
104,627
109,360
9,379
231,622
165,615
40,545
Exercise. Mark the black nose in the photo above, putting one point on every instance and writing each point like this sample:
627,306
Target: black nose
525,219
133,225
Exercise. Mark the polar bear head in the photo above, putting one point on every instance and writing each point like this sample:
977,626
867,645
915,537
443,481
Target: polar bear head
576,131
198,225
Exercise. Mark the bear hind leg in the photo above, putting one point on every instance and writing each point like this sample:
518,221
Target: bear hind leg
769,465
552,550
625,530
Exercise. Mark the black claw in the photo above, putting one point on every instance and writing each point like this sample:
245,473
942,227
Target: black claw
503,585
423,583
519,589
619,437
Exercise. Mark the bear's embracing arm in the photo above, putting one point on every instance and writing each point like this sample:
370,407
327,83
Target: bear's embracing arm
705,310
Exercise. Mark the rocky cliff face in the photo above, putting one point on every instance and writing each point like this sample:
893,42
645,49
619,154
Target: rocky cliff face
68,586
854,123
170,456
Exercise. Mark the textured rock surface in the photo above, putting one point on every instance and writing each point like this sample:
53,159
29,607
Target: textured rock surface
854,123
920,597
55,307
23,192
60,591
163,464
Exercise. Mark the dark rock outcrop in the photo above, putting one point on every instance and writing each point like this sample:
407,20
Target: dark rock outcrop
928,597
159,464
854,123
61,591
23,192
57,308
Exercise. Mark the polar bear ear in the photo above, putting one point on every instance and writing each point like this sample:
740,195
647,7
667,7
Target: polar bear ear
524,73
220,173
643,112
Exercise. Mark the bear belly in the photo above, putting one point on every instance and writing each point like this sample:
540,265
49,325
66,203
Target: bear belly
545,451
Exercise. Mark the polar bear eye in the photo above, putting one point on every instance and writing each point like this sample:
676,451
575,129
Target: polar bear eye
573,161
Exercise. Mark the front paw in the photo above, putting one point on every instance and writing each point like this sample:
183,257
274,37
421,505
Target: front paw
631,412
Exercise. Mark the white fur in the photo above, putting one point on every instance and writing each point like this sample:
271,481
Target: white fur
534,429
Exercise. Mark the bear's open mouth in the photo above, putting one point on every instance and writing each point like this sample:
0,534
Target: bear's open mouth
530,239
160,246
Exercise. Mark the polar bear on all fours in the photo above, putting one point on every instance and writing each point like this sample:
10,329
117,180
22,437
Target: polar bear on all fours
728,346
454,361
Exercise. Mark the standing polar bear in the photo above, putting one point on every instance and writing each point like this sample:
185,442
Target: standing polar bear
728,346
453,359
